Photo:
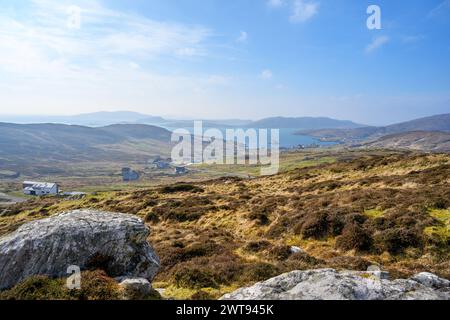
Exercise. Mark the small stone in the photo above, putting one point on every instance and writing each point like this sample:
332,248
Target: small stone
295,249
136,289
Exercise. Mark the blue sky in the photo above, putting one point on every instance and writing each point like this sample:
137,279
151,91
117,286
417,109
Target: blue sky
226,59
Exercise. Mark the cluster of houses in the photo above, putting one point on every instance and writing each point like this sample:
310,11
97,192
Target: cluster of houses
129,174
34,188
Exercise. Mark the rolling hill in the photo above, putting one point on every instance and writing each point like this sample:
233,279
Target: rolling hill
417,140
429,124
25,146
303,123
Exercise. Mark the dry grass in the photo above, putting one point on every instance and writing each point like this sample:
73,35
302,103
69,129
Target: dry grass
389,209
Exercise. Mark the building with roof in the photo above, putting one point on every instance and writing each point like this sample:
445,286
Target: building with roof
129,175
34,188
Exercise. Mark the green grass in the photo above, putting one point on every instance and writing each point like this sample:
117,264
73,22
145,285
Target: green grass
441,232
374,213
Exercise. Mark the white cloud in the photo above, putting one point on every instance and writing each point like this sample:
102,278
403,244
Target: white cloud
266,74
275,3
243,37
377,43
303,11
113,60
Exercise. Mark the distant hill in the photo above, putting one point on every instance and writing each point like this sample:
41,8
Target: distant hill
95,119
304,123
414,140
23,145
433,123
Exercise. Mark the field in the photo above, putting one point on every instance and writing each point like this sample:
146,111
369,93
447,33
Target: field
342,209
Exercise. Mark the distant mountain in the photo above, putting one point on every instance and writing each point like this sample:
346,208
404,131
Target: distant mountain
433,123
44,144
414,140
95,119
106,118
304,123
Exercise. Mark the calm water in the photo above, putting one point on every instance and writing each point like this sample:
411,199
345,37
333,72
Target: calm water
288,138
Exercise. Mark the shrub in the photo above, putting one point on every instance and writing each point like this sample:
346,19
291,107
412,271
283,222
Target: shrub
37,288
354,237
280,253
260,272
257,246
181,188
314,226
202,295
194,278
96,285
395,240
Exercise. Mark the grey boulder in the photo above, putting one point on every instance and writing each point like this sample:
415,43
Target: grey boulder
83,238
329,284
135,289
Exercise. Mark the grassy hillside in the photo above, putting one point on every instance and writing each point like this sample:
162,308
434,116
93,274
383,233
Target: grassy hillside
428,124
388,209
416,140
47,149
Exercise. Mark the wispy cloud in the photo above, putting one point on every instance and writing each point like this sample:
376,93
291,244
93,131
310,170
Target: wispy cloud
243,37
111,60
377,43
275,3
266,74
303,11
438,10
105,35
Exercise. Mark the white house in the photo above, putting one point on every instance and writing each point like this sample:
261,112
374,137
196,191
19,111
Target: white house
34,188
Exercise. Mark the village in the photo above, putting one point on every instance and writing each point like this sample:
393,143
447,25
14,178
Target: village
158,165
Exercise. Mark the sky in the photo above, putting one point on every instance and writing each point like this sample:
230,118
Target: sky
226,58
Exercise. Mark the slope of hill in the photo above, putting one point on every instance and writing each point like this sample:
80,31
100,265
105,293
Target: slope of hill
25,146
303,123
433,123
416,140
368,208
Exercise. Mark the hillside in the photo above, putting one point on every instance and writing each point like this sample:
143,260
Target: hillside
24,146
368,208
433,123
415,140
303,123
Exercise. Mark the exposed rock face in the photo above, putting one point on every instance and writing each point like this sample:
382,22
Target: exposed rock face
85,238
329,284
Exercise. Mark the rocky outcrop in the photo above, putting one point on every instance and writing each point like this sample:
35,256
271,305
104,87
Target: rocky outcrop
85,238
135,289
329,284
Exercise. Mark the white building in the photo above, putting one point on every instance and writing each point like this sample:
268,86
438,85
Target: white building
34,188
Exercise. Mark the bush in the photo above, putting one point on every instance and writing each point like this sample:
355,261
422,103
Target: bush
202,295
354,237
396,240
95,285
37,288
257,246
314,226
194,278
260,272
280,253
181,188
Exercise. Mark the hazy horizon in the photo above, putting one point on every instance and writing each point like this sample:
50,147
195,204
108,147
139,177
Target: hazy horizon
181,118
